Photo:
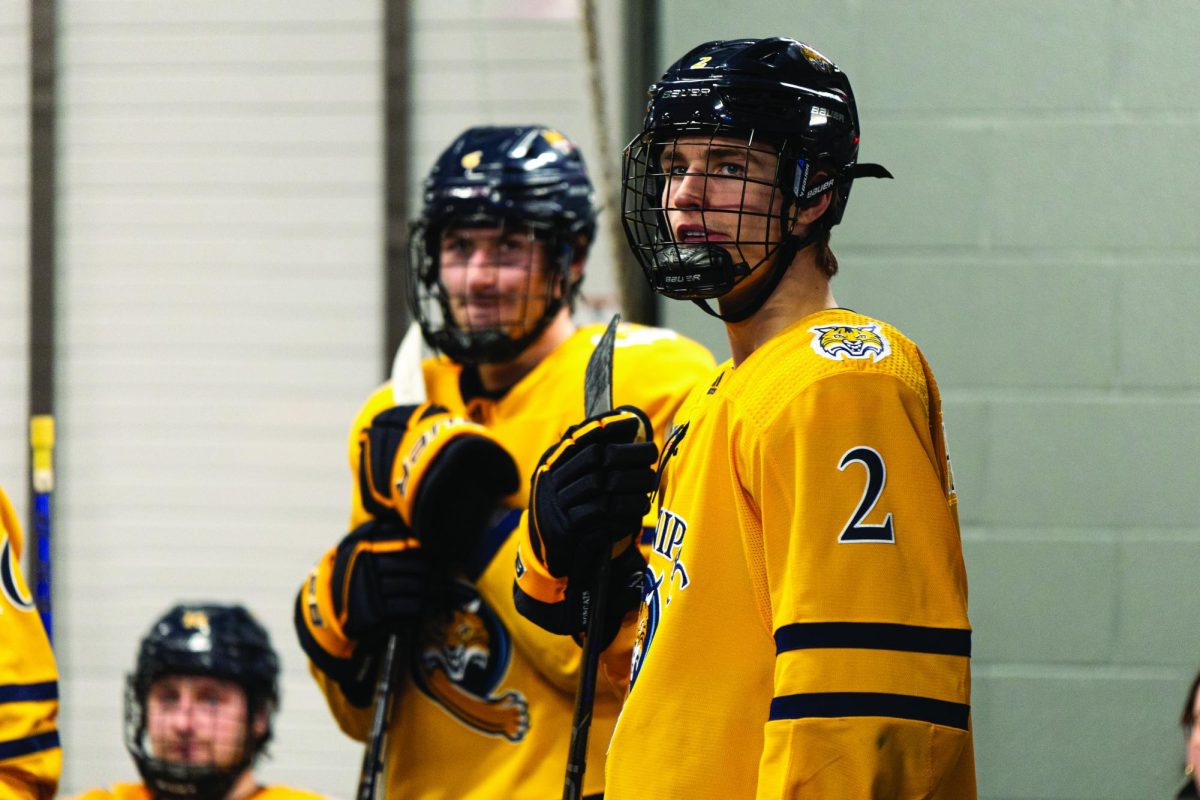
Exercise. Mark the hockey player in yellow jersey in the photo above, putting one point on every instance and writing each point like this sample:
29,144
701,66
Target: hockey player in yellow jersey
804,628
199,707
486,697
30,756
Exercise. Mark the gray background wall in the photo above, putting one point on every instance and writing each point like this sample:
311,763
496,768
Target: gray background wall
1040,243
221,253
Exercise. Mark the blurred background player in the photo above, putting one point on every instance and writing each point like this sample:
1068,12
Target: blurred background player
497,258
1191,732
198,708
804,631
30,756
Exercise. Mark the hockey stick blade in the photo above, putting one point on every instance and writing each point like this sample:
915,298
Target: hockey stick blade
597,398
408,380
597,378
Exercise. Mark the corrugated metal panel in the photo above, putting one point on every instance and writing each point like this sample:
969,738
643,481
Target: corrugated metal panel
14,251
220,261
480,62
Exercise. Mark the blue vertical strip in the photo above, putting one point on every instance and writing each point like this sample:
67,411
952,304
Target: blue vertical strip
41,527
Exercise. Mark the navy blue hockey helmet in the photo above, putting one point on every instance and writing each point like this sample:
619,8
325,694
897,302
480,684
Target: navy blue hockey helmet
203,639
774,94
526,179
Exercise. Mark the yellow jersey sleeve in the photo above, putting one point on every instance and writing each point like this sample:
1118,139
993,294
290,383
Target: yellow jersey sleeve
859,577
30,755
343,673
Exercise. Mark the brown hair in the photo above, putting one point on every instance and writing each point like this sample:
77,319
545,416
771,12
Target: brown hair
1188,718
826,261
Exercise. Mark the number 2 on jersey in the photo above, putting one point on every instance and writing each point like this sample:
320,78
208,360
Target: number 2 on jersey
855,531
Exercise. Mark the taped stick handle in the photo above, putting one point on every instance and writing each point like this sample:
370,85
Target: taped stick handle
41,442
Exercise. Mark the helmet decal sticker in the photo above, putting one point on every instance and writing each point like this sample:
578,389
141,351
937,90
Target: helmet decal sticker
471,160
818,61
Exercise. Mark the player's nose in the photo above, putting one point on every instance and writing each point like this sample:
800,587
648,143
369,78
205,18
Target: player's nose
687,190
481,268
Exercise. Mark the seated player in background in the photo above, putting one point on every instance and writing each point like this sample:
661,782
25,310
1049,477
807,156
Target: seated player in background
199,707
30,756
485,707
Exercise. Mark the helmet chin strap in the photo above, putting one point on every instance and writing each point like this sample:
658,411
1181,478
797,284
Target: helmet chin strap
787,251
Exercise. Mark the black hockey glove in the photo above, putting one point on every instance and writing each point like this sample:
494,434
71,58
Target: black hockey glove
442,475
568,616
591,490
379,580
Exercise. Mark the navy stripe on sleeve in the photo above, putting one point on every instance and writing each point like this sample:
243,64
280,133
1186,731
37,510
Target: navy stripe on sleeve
874,636
871,704
493,539
28,745
28,692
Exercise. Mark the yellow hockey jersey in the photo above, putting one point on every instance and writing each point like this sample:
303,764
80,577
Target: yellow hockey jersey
804,632
486,711
30,756
138,791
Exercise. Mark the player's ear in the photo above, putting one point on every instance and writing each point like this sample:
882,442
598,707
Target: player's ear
261,721
579,256
820,205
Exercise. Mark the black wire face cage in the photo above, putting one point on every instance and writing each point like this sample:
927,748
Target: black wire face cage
173,779
494,308
739,208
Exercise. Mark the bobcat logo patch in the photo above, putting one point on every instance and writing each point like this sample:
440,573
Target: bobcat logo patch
840,342
461,663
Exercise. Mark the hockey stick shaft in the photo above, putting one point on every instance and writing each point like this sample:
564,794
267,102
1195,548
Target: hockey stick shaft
597,392
585,695
408,388
41,440
372,766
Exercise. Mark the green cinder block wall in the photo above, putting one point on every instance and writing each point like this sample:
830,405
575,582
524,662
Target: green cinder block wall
1041,243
